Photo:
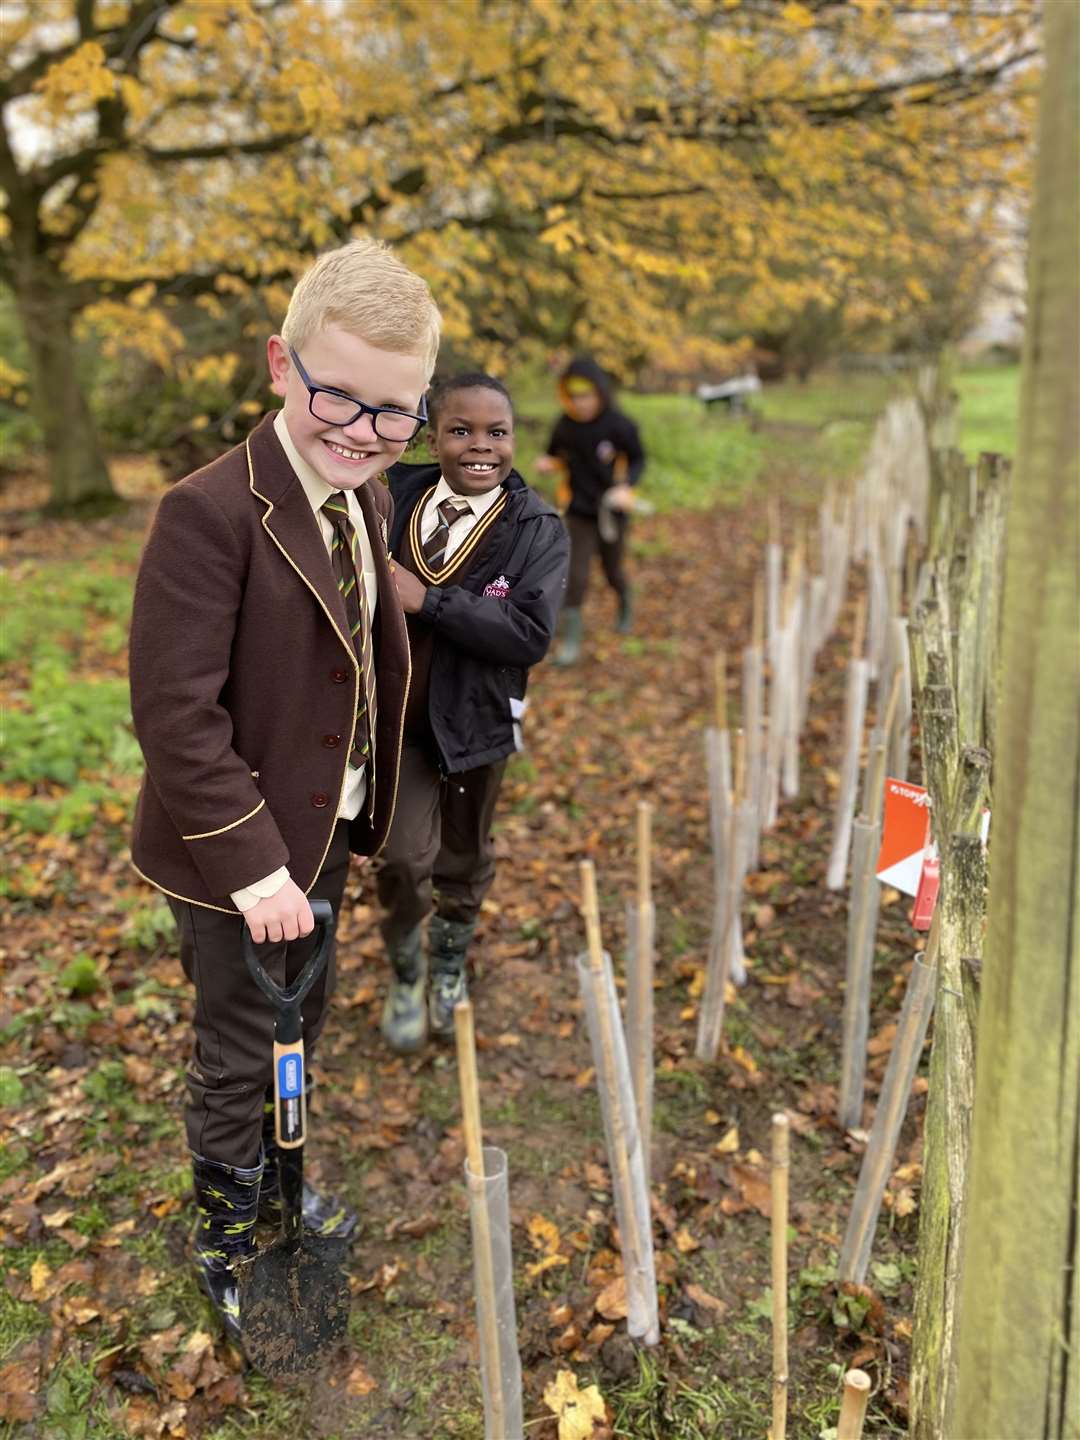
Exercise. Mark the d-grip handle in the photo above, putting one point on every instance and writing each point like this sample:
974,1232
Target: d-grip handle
290,1109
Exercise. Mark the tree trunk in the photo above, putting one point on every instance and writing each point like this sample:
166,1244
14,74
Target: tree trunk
1019,1322
78,475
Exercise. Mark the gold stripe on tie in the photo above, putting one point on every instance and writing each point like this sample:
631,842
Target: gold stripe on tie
349,571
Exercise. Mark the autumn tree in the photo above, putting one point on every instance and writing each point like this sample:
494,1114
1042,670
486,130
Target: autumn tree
1019,1324
609,173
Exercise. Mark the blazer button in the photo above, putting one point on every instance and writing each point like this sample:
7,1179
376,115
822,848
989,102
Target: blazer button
331,741
319,800
339,675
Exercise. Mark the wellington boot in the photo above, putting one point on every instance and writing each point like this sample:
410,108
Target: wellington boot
448,944
625,622
569,651
227,1199
404,1016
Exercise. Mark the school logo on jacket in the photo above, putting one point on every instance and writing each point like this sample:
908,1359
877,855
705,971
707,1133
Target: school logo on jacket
498,589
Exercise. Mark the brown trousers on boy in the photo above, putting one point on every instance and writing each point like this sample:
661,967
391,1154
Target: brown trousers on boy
440,840
585,541
231,1066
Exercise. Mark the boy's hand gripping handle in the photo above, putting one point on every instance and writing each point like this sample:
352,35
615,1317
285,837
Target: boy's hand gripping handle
290,1110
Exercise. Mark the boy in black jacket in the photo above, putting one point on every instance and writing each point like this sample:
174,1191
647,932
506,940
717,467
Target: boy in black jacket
480,566
598,450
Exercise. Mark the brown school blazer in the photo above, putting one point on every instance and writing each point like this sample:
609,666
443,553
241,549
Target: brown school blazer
244,682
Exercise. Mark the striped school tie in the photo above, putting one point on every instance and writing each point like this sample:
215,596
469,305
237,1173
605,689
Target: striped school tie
348,570
434,547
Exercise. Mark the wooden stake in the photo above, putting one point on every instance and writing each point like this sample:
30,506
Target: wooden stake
757,622
774,520
620,1160
738,788
780,1173
859,638
642,979
853,1407
485,1271
720,688
644,853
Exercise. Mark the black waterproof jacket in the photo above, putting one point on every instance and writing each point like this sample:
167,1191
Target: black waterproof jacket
485,644
589,448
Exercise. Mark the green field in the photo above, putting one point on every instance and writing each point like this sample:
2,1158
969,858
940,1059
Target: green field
989,409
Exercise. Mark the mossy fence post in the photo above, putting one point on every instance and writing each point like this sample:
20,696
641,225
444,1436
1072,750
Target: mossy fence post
1019,1314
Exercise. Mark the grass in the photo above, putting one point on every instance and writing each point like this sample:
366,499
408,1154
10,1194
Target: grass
699,458
989,409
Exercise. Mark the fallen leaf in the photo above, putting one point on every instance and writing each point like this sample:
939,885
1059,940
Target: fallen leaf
415,1228
359,1381
729,1141
544,1234
745,1059
18,1389
569,1340
39,1275
540,1267
611,1302
754,1187
702,1298
902,1203
596,1177
882,1042
577,1410
685,1242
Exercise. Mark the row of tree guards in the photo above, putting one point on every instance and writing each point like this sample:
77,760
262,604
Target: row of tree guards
927,531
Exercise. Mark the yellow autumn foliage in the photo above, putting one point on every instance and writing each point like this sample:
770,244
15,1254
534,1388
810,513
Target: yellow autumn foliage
628,177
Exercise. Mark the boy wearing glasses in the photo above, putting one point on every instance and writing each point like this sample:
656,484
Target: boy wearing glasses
269,673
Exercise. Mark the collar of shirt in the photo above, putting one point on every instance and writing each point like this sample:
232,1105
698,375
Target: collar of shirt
315,487
478,504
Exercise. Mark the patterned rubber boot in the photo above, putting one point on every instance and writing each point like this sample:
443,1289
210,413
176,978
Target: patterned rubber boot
625,622
404,1017
448,943
569,651
323,1214
227,1199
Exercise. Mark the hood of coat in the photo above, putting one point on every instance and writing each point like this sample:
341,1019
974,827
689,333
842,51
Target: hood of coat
584,368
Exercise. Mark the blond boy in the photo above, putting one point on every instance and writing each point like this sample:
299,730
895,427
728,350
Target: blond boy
269,673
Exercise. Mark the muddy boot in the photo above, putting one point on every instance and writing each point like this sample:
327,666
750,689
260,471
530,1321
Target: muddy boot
625,622
404,1017
569,651
448,941
323,1215
227,1199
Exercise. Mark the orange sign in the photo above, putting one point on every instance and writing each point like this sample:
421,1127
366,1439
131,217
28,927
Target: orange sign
905,836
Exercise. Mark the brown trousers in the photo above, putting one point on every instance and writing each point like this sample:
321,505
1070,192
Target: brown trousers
585,541
231,1066
440,841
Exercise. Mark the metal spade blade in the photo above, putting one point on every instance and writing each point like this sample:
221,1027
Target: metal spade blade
294,1307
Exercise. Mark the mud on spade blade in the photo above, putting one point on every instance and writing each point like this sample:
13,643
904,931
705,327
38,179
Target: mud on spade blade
294,1295
294,1306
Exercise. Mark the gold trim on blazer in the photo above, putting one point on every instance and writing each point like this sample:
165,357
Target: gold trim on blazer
464,550
208,834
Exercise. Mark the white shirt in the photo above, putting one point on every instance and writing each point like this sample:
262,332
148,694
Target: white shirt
478,505
318,492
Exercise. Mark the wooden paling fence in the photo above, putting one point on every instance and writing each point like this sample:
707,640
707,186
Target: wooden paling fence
927,531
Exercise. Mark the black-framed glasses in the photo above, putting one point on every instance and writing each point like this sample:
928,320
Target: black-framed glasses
334,407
